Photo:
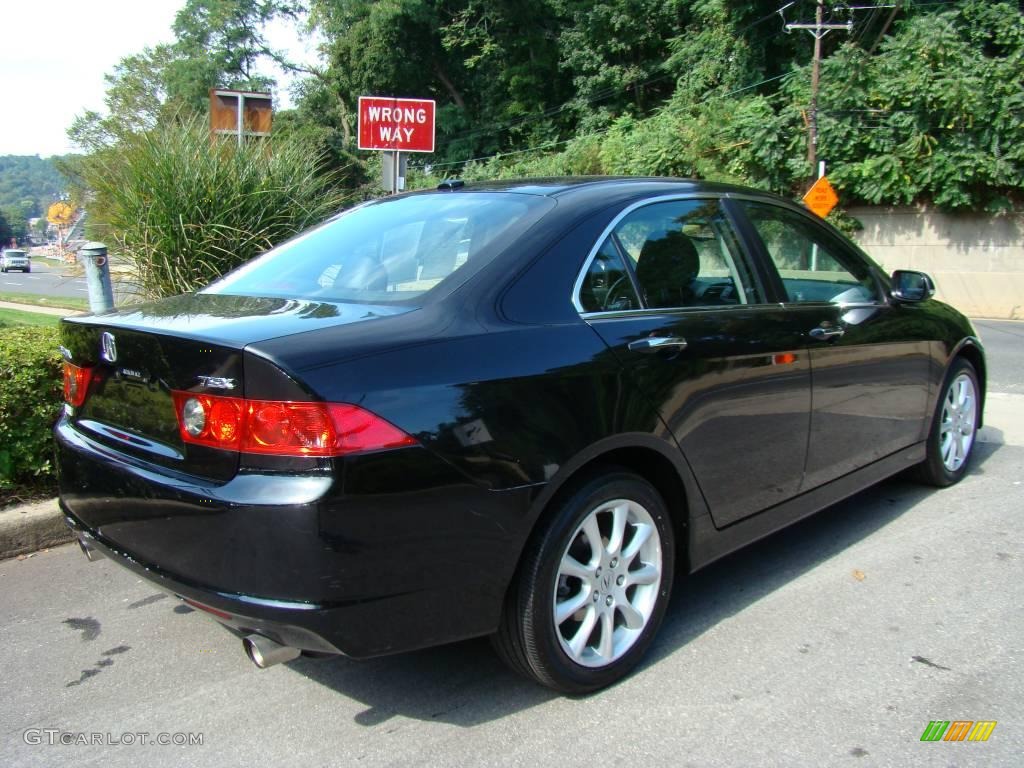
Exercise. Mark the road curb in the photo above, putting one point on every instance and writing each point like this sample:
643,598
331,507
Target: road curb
31,527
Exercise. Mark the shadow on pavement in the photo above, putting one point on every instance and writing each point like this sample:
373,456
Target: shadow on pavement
465,684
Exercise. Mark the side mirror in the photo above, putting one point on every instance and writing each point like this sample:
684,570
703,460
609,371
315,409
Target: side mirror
908,285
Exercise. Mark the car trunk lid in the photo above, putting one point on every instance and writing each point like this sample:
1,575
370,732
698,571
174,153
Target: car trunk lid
136,358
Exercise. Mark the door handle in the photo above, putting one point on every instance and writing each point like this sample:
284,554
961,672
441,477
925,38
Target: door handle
656,343
823,333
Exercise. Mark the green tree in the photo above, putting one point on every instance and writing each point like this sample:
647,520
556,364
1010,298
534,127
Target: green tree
16,222
218,44
937,115
136,99
615,54
29,183
6,233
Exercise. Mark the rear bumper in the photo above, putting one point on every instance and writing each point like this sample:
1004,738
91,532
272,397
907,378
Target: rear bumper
397,561
299,625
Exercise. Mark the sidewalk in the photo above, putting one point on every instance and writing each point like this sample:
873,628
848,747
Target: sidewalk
58,311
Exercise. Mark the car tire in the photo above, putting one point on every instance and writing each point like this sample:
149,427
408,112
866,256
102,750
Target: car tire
578,617
954,427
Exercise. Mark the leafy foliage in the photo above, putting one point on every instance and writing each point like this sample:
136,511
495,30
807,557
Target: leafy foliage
184,210
937,115
919,103
218,45
30,402
28,184
6,233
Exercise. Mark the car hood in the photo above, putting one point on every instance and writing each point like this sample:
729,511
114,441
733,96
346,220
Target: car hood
236,321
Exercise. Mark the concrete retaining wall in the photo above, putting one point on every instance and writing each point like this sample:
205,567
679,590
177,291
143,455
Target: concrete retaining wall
977,260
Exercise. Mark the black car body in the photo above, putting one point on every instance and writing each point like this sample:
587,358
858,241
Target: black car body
587,340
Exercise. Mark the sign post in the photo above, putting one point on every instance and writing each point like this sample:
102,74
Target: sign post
396,126
61,215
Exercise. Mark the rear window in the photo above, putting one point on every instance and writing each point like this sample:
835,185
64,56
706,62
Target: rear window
390,251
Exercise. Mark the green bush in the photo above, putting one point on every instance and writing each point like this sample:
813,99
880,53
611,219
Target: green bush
30,402
183,209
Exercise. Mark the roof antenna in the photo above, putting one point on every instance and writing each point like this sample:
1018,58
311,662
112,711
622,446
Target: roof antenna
450,185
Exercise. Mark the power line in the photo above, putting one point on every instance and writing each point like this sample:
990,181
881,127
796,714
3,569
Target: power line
605,93
610,91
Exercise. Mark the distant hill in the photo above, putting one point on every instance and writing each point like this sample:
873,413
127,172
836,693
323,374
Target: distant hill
29,177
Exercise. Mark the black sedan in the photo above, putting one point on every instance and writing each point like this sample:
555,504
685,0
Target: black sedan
515,410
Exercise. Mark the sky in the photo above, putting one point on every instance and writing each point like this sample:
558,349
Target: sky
54,55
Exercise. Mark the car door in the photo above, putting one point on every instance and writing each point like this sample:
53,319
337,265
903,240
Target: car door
869,359
670,291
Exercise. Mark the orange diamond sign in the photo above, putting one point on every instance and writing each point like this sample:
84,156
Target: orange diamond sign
821,198
60,214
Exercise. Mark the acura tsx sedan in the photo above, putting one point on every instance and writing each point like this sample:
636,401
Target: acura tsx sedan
517,410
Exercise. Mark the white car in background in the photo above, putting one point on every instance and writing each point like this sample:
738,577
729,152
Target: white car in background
15,258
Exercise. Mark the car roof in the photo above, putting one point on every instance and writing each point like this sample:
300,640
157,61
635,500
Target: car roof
588,191
567,185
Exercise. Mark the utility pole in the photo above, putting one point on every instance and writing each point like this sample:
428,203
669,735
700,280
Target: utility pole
818,29
812,122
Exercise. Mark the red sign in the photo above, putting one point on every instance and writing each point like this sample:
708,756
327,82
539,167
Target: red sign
405,125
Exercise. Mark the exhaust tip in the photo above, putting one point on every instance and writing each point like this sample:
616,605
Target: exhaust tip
264,652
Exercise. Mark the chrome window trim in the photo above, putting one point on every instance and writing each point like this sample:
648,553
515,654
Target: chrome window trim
836,304
626,314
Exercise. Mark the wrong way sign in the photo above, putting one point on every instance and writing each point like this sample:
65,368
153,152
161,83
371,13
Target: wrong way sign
397,125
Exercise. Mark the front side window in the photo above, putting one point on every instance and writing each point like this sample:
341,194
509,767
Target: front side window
389,251
684,254
812,268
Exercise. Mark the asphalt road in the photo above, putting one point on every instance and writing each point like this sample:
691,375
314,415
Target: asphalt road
45,279
1004,347
832,643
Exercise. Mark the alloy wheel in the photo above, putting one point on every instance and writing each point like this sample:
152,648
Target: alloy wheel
608,582
957,428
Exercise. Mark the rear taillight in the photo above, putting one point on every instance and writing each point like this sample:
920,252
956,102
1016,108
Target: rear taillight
283,428
210,420
76,383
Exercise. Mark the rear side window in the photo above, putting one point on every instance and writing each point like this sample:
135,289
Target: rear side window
390,251
607,286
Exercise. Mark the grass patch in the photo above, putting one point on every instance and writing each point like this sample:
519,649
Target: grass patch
14,317
62,302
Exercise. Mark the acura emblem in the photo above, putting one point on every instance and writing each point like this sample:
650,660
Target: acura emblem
108,347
